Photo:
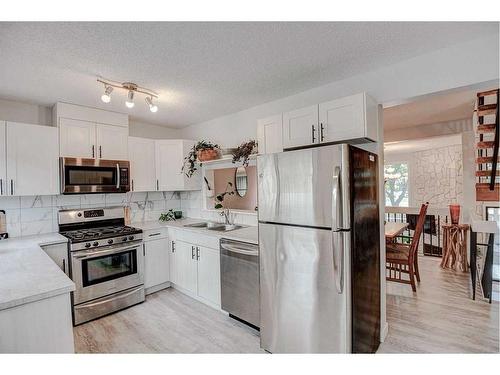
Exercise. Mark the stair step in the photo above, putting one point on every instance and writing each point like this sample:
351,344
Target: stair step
486,144
483,192
486,173
486,109
486,128
486,159
487,93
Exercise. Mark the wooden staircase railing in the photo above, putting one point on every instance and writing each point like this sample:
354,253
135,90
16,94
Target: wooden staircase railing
488,132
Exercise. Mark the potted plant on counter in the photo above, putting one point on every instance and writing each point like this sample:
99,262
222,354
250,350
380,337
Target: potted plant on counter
202,151
242,152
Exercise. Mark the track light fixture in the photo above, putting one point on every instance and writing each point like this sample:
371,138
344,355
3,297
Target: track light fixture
131,89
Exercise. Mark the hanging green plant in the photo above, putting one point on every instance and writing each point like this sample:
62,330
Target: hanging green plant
202,151
242,152
220,197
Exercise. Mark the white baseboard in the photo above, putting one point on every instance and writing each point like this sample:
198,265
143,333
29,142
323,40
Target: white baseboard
157,288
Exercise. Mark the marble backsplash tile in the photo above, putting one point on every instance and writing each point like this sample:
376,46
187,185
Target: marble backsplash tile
191,203
38,214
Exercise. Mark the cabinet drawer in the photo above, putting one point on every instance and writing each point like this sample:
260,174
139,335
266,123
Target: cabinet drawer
155,234
198,239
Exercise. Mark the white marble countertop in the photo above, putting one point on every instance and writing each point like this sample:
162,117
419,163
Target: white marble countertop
246,234
27,274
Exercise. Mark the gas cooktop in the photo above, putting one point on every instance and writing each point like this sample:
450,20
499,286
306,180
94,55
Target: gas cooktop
88,234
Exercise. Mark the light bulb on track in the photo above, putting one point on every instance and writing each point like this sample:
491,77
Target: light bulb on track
152,107
130,100
106,97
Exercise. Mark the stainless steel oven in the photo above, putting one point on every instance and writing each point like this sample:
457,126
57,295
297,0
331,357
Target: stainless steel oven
107,270
94,176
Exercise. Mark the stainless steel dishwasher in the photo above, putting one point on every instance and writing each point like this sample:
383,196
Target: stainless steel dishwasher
240,295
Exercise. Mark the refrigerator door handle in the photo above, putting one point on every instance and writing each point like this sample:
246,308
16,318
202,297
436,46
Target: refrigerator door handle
337,233
338,260
336,200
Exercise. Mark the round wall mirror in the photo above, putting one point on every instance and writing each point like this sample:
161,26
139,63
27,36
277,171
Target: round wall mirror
241,181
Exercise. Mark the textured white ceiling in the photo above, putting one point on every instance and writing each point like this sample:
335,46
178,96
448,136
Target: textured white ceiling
204,70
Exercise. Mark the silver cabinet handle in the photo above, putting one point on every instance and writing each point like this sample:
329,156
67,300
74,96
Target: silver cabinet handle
321,137
93,151
11,187
154,234
117,175
313,137
157,185
100,152
64,266
132,185
192,252
173,246
197,253
1,186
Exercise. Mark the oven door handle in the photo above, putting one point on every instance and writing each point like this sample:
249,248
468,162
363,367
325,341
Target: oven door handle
117,175
93,254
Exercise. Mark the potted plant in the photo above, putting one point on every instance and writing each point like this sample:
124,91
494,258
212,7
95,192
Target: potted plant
220,197
243,152
202,151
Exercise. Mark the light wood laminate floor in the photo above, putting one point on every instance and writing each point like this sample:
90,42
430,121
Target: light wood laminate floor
439,318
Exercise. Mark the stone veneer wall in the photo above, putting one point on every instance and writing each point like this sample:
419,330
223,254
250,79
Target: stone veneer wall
32,215
436,176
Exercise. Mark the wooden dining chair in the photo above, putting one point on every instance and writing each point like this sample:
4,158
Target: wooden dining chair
403,258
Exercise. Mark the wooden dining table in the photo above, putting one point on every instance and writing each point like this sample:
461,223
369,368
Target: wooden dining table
394,229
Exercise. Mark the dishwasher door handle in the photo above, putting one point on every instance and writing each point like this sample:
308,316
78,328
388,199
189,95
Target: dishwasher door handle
237,250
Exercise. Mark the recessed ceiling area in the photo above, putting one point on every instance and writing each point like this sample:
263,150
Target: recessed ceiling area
431,110
422,144
204,70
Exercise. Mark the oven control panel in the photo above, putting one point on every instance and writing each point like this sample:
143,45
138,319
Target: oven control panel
93,213
106,242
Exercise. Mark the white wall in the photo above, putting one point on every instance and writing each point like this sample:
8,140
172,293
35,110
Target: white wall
460,65
142,129
25,112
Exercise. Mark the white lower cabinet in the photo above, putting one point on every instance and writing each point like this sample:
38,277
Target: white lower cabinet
209,274
195,269
156,264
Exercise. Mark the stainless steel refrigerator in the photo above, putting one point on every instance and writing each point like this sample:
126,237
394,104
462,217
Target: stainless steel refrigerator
319,234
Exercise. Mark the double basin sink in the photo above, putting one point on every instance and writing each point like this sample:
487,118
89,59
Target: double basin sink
214,226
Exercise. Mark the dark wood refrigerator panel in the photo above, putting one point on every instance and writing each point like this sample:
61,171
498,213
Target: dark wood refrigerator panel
365,251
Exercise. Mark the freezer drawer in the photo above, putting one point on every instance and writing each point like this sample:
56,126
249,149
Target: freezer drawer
302,310
240,280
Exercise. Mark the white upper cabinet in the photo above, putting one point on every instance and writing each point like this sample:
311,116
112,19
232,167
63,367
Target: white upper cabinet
142,156
77,138
32,160
300,127
170,155
3,159
111,142
350,118
270,135
91,133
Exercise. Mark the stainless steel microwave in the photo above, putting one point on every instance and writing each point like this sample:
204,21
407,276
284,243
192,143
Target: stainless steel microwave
86,176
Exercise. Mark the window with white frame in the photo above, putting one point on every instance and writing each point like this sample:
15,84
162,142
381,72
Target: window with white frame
396,184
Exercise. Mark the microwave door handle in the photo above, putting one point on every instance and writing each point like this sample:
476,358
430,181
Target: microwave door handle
337,233
117,175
